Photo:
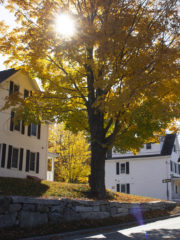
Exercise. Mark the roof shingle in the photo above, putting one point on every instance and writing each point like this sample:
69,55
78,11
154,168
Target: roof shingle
7,73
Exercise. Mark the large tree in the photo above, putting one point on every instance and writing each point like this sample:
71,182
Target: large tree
116,77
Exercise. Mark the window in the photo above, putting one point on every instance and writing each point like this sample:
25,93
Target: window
148,145
18,125
26,93
15,154
34,130
123,168
109,153
13,88
32,161
124,188
118,187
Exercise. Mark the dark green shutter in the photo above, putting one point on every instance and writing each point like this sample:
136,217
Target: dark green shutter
21,159
39,131
29,130
128,188
27,160
9,156
37,163
127,167
11,88
22,127
12,121
3,159
117,168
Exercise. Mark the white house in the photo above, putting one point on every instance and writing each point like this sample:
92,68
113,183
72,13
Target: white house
153,172
23,149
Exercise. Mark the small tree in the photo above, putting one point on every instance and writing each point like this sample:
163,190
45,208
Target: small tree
116,78
73,164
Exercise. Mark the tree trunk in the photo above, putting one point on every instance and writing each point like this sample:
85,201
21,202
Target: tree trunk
97,178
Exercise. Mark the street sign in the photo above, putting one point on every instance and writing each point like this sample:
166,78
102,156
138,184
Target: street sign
166,180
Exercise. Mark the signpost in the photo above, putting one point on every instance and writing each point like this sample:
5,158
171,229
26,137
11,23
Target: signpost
167,180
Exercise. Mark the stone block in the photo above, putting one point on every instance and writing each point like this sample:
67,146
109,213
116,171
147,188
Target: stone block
29,207
4,204
32,219
70,215
104,208
83,209
120,215
40,201
94,215
55,217
113,211
114,204
42,209
14,207
122,210
58,209
96,209
8,220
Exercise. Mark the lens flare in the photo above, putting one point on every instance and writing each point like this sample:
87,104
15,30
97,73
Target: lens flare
138,215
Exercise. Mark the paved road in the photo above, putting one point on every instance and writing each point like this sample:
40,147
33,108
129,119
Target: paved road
168,229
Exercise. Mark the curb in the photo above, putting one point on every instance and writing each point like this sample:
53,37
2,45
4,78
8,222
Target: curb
104,229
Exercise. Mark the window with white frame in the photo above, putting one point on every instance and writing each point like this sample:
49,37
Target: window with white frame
34,130
148,146
122,168
124,188
18,125
32,161
15,158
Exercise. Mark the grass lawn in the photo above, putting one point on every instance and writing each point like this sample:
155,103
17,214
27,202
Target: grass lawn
47,189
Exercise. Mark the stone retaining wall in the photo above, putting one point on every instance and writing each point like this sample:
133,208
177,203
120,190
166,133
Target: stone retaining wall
30,212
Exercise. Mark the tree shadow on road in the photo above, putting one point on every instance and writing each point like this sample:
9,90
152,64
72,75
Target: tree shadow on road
168,234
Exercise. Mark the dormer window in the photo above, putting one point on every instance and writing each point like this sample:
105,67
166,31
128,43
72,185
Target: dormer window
148,146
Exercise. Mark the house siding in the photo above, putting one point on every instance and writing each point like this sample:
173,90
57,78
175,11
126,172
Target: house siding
18,140
145,173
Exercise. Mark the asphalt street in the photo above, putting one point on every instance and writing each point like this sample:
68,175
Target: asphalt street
168,229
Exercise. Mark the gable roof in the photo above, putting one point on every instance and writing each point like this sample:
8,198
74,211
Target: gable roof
167,149
168,144
7,73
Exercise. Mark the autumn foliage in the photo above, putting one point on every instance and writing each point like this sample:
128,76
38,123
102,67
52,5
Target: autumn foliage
73,163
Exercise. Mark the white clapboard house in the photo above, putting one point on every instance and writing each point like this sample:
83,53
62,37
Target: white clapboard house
23,149
153,172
